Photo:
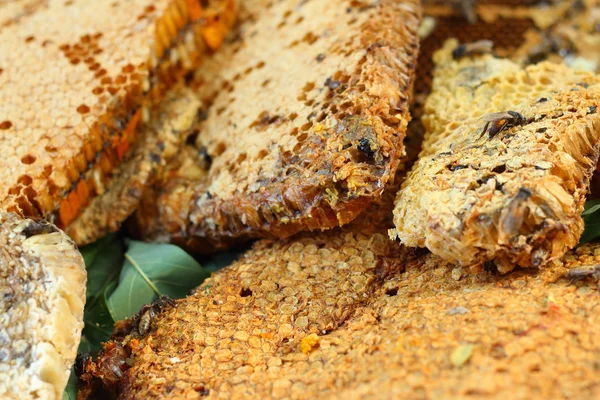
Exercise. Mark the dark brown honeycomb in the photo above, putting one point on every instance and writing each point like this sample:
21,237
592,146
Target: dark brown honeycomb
507,34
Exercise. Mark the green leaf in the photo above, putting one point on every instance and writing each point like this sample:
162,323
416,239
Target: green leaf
99,321
85,346
89,253
591,206
152,270
591,219
103,262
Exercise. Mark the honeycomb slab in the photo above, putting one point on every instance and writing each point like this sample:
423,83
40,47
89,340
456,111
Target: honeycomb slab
306,111
509,191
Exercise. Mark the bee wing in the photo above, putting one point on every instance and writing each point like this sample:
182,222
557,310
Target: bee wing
499,116
481,45
485,44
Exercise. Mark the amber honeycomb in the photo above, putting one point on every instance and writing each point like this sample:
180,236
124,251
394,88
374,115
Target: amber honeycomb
297,134
76,78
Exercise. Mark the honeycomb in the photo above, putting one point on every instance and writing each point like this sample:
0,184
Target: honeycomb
507,35
341,314
42,287
157,142
303,130
76,80
519,29
348,314
515,197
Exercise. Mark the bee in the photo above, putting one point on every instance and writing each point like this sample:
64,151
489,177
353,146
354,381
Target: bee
549,44
468,49
39,227
512,221
145,321
497,122
148,312
365,147
81,361
575,275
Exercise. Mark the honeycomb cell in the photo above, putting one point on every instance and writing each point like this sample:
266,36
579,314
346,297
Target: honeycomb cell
50,84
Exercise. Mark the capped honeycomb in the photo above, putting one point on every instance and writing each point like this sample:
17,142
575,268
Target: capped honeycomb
346,314
76,79
514,195
42,287
303,128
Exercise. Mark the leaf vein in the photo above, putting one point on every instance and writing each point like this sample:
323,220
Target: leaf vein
142,274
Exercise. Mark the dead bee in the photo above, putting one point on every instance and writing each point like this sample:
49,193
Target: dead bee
109,368
111,363
39,227
575,275
469,49
497,122
512,221
148,312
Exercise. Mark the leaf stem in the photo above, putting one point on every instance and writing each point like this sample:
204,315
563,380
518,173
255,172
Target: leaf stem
142,274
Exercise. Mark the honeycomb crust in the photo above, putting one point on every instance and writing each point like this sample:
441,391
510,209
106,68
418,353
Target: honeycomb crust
348,314
343,314
321,135
515,198
159,142
560,31
42,286
76,81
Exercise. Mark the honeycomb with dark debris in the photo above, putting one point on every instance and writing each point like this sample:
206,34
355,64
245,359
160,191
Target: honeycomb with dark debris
336,315
509,191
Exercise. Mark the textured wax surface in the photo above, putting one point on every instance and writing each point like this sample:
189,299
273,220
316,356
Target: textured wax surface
308,106
159,141
42,287
525,31
514,198
76,77
347,314
341,314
